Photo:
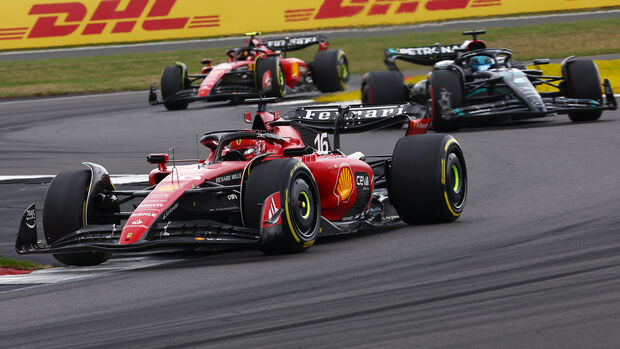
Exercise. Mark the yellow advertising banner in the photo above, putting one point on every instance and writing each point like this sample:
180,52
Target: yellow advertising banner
53,23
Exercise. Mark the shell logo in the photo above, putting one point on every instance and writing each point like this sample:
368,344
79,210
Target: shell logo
344,186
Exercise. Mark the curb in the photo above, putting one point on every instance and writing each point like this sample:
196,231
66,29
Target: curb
7,271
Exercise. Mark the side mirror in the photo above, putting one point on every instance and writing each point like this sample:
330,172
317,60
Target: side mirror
206,61
541,61
533,72
157,158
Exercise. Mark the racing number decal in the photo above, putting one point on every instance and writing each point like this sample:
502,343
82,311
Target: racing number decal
321,143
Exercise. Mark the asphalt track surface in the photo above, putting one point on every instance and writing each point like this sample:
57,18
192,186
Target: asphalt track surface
534,262
487,23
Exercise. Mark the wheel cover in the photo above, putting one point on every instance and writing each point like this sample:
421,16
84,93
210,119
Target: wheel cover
344,69
281,81
303,208
456,181
455,172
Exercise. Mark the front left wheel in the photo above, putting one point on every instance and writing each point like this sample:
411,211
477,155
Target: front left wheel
269,77
384,87
281,199
445,82
583,82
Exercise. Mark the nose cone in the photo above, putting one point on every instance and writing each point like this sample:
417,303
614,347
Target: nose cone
145,215
203,91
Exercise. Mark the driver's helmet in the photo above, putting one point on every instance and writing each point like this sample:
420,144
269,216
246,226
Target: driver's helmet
244,55
481,63
249,148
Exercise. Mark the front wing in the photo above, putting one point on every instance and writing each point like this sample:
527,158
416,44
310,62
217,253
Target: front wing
191,95
519,110
105,238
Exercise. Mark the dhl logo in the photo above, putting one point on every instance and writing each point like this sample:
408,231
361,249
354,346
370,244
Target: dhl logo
348,8
122,16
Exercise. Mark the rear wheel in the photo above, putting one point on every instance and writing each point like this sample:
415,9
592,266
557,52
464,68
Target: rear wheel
383,87
428,179
269,77
330,70
583,82
450,82
64,213
173,79
281,198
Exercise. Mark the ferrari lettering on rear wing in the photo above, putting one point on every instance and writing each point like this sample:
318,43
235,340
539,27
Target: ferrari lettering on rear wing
295,43
355,118
424,55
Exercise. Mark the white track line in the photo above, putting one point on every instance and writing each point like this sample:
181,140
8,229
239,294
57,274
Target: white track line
53,99
63,274
116,179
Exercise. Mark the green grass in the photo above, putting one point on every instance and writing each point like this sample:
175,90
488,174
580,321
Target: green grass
138,71
6,262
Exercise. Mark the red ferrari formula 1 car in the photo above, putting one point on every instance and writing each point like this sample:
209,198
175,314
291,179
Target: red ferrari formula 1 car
277,186
259,69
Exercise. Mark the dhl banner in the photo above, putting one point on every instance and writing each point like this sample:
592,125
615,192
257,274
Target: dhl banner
53,23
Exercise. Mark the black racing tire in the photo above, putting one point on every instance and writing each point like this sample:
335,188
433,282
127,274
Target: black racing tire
299,199
173,79
450,81
330,70
583,82
64,213
269,77
383,87
428,179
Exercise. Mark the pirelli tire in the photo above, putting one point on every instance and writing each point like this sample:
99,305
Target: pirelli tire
384,87
64,212
582,81
445,81
330,70
269,77
428,179
293,221
174,79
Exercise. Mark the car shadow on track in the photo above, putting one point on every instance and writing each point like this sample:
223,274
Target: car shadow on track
183,259
522,124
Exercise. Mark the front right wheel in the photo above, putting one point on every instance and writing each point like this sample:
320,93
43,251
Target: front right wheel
330,70
173,79
428,179
64,212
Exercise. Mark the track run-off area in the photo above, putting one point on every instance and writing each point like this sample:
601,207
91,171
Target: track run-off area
533,262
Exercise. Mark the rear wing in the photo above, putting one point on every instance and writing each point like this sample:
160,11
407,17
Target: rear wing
355,118
295,43
424,55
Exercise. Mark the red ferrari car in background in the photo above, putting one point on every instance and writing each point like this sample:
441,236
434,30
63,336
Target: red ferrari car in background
259,69
277,186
